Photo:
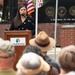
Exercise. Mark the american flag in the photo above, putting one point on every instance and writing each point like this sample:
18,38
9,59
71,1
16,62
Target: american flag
40,2
30,7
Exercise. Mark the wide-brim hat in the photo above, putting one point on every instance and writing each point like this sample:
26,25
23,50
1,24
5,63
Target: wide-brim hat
43,65
43,41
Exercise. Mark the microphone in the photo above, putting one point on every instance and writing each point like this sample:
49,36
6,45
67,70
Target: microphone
23,15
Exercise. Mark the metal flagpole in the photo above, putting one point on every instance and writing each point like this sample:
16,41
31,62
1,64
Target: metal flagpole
55,27
36,21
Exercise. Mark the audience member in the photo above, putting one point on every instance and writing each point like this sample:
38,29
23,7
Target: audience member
7,58
66,59
45,43
32,64
35,49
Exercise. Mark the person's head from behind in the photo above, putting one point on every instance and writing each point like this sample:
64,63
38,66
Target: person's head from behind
66,58
34,49
43,41
32,64
7,55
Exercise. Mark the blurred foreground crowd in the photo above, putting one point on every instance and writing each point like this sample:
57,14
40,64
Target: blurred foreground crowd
34,59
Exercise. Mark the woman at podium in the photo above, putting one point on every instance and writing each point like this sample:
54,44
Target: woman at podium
22,21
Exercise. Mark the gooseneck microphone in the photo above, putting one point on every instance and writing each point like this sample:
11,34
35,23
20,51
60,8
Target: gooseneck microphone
23,15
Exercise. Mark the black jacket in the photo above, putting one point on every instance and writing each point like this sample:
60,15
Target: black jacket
27,24
53,63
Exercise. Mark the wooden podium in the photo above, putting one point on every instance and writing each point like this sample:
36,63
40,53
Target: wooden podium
20,40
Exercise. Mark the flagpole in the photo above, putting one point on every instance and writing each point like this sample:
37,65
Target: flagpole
55,27
36,21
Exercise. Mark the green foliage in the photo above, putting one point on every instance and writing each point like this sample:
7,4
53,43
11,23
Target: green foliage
5,10
45,1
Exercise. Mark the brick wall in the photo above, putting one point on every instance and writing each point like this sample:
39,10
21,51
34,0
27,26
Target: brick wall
1,2
22,2
48,28
3,27
67,35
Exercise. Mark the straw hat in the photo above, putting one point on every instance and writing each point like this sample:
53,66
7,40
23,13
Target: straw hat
43,41
31,63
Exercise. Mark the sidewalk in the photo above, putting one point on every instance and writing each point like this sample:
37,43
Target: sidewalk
54,53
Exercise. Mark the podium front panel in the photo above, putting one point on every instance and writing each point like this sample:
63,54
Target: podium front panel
20,40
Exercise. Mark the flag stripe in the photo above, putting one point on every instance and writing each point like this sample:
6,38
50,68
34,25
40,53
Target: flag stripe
30,7
30,11
40,2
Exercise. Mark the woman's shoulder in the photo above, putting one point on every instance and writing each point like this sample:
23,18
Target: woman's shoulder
30,19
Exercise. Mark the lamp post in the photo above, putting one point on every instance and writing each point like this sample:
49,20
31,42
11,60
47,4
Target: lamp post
36,21
55,27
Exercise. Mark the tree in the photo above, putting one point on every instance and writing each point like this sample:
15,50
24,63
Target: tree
44,1
5,10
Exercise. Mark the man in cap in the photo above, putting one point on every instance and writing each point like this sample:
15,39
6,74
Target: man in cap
7,58
45,43
32,64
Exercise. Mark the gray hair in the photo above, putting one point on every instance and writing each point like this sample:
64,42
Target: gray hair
6,47
31,63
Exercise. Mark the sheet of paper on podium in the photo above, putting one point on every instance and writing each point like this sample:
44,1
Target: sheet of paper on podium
18,41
